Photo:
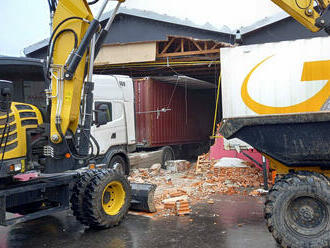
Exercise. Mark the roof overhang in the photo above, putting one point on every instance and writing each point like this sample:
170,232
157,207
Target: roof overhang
264,22
20,67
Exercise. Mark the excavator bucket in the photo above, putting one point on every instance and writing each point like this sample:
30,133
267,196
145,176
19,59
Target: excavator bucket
143,197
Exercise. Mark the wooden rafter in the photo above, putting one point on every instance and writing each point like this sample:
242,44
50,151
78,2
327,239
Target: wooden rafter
196,44
184,46
167,46
176,54
215,45
177,49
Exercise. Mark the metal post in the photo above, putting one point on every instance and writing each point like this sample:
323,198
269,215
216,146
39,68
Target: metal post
264,168
86,129
100,10
3,210
88,105
91,59
101,37
110,21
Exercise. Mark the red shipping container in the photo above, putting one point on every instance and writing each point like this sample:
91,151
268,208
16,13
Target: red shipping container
171,115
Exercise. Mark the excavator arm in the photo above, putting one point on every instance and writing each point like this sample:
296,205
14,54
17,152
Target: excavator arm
71,52
70,23
313,14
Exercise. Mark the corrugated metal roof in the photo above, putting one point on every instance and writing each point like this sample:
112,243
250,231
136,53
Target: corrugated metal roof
184,81
171,19
143,14
166,18
36,46
264,22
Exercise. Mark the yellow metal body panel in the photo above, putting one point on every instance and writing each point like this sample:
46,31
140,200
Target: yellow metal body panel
283,169
70,89
18,124
298,9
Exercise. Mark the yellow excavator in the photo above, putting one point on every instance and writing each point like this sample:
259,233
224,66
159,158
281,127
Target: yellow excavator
48,156
297,208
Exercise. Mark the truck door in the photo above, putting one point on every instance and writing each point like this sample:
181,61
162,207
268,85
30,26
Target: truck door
114,131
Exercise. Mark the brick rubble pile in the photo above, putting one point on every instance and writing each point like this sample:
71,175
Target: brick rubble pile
184,183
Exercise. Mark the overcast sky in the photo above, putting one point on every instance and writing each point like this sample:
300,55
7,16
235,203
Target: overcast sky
24,22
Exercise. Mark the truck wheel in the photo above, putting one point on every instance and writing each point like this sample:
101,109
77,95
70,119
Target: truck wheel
78,195
119,164
167,155
107,199
297,211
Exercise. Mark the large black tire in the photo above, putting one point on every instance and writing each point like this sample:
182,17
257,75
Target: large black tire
107,199
119,164
167,155
79,193
297,211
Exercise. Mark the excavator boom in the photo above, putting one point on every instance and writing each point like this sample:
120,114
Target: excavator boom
310,13
70,23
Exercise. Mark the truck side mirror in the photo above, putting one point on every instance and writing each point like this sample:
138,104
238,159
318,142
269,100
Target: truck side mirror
101,115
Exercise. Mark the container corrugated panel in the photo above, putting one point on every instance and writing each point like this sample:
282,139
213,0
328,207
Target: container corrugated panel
187,117
271,78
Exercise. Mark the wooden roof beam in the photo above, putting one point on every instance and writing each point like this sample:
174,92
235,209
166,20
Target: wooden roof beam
196,44
168,45
177,54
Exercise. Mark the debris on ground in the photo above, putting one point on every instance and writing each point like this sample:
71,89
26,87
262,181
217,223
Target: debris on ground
177,165
230,162
258,192
183,183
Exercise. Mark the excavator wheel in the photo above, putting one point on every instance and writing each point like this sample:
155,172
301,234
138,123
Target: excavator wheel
297,210
79,193
107,199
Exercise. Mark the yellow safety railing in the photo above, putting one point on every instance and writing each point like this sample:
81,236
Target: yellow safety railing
216,111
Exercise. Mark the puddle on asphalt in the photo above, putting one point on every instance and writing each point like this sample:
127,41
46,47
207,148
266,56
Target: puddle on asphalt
232,221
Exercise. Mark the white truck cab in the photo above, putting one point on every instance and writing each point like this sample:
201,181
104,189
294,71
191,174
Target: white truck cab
115,95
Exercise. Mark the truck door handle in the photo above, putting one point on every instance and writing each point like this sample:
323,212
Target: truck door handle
113,135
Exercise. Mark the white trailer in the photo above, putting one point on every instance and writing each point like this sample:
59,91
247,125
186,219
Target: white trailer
271,78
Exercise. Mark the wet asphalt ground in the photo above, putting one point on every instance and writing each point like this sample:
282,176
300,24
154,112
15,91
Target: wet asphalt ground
231,222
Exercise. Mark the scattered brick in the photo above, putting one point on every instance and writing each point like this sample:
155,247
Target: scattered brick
196,182
183,207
